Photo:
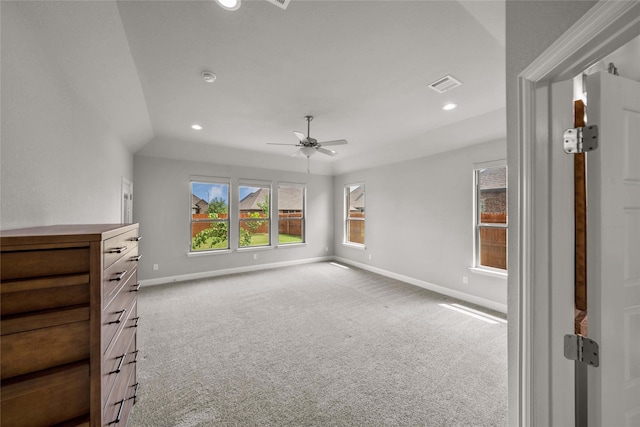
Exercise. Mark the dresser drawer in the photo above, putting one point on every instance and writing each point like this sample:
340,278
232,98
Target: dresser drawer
49,262
121,354
47,398
118,273
118,246
121,398
116,316
21,296
41,341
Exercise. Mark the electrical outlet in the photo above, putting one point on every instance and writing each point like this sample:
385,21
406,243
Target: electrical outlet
369,256
465,280
326,248
155,267
255,256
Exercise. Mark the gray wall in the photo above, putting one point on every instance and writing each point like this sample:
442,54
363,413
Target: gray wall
162,206
60,162
531,27
419,220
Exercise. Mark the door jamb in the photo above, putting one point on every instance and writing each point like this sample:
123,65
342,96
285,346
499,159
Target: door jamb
605,27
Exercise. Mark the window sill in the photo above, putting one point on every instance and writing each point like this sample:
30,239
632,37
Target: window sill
291,245
354,245
501,274
255,248
206,253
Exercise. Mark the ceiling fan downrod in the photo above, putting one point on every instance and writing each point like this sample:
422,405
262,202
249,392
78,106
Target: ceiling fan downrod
308,119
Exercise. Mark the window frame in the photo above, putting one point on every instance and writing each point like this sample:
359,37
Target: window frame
478,225
348,218
303,218
209,180
269,220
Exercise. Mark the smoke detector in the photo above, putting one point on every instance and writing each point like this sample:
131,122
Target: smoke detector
445,84
208,76
280,3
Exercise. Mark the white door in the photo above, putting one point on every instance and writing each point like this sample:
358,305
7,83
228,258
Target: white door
127,201
613,174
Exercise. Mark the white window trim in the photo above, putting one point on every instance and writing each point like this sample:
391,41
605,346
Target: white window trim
304,214
345,210
210,180
476,266
261,184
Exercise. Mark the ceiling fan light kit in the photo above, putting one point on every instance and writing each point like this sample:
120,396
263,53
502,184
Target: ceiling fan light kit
308,151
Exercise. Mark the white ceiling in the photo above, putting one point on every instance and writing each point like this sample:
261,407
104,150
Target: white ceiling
361,68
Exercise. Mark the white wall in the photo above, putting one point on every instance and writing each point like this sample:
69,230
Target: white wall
60,161
419,222
162,206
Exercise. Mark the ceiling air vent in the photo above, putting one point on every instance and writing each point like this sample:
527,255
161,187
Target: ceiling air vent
280,3
445,84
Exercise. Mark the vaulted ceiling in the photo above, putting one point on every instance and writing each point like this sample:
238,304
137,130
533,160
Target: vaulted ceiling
361,68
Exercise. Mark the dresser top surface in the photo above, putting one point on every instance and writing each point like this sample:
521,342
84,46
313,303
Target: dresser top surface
63,233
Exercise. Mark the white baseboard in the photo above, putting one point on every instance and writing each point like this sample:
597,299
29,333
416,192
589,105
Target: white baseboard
225,271
492,305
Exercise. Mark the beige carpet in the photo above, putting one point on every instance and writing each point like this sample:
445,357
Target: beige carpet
315,345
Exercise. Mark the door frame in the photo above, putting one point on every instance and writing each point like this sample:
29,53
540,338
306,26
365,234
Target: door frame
605,27
126,189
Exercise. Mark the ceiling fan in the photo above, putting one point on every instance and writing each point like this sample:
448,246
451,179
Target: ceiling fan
308,146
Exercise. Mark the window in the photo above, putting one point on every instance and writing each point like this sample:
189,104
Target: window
291,199
209,214
354,223
254,216
491,216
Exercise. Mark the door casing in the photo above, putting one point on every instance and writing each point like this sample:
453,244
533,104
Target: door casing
605,27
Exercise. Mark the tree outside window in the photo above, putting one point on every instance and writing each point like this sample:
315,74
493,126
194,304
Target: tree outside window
254,207
209,215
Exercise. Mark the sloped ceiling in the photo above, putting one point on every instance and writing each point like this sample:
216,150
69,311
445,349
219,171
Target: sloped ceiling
361,68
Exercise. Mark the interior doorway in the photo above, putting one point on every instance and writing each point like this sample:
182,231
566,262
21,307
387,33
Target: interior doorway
127,201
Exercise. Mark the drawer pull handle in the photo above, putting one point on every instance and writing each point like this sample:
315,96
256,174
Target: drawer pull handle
136,258
119,319
117,250
135,393
119,368
136,321
119,276
136,287
136,239
119,416
135,359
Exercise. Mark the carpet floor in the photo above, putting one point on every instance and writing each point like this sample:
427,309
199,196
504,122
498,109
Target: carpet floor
315,345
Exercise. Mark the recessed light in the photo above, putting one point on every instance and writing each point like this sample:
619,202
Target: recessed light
449,107
229,4
196,127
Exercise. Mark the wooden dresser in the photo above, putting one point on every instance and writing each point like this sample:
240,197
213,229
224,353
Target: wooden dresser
68,325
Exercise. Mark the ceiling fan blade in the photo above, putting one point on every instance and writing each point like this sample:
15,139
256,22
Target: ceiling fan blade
336,142
325,151
300,136
277,143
